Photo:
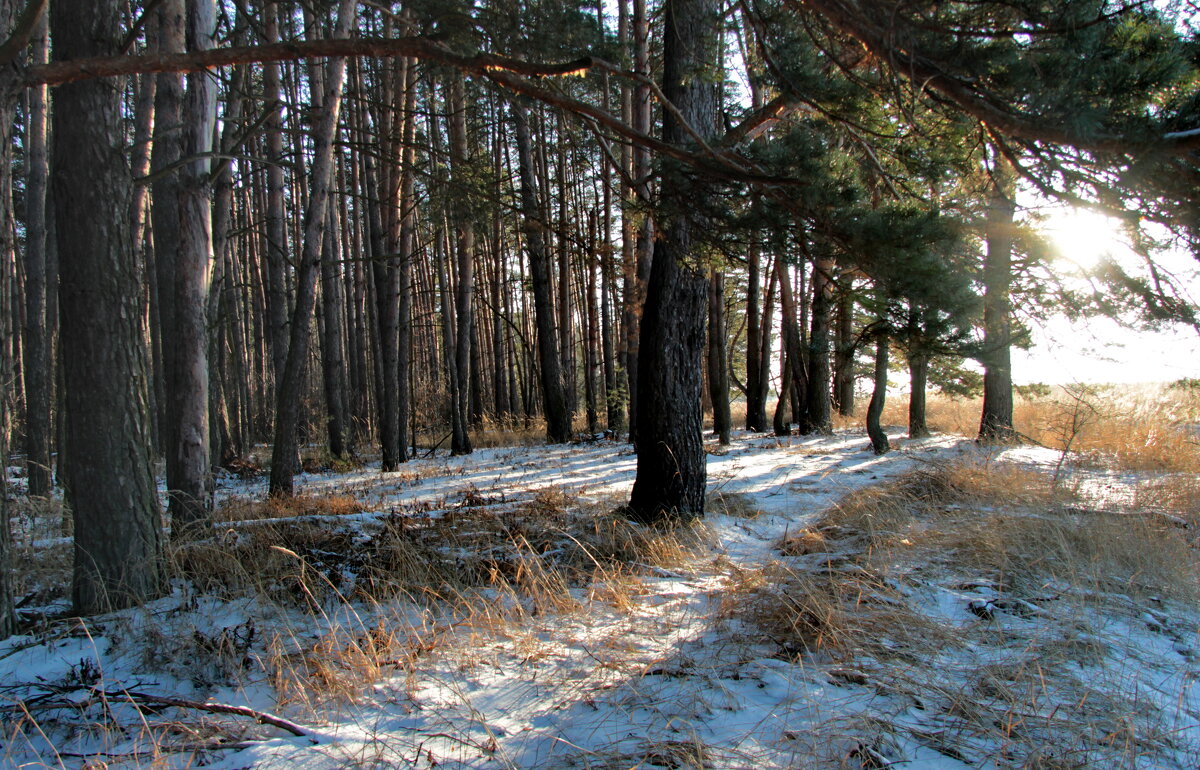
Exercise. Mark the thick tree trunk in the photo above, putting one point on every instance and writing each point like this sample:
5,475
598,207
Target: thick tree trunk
879,439
817,408
996,422
918,377
110,479
718,359
36,364
287,412
671,468
554,400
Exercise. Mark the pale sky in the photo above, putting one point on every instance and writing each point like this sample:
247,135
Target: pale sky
1100,349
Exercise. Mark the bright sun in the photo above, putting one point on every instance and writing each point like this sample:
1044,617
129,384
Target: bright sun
1084,237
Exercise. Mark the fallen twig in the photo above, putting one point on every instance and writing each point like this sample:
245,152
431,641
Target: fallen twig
262,717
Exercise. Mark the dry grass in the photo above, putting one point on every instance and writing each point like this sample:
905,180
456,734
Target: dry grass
245,509
1024,666
1126,427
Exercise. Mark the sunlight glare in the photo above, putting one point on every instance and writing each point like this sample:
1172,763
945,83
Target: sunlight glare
1083,237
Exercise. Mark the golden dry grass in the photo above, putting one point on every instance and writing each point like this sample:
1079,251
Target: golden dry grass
854,591
246,509
1126,427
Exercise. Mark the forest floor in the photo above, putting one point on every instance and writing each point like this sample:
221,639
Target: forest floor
942,606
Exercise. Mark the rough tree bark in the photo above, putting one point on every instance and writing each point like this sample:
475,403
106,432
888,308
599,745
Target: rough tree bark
843,355
817,400
191,491
671,468
918,378
996,422
110,478
879,439
554,400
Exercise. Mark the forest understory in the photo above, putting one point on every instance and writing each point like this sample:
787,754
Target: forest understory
946,605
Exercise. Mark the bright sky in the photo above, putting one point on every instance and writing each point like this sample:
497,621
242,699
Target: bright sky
1101,350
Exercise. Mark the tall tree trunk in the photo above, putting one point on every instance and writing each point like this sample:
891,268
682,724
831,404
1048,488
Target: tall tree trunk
333,360
671,468
165,213
818,416
464,247
287,412
554,400
407,253
918,377
779,422
110,479
718,359
843,355
756,384
879,439
274,217
191,491
996,422
796,384
7,14
638,272
36,368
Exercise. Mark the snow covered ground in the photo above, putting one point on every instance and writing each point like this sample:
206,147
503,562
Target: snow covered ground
659,666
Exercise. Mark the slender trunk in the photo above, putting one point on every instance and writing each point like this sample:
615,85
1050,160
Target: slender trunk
110,479
554,401
639,270
191,492
464,246
718,360
8,624
36,365
795,385
818,416
843,356
671,472
779,423
592,340
879,439
168,147
274,217
333,361
287,413
756,385
406,251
